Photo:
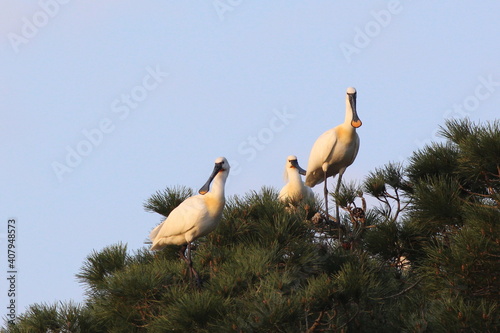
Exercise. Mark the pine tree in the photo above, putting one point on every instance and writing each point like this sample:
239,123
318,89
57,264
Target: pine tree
456,207
426,259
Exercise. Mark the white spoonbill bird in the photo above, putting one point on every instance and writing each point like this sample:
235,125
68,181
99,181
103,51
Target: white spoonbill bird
295,190
196,216
335,149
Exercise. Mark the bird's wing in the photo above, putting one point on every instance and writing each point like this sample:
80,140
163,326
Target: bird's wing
181,219
308,193
320,153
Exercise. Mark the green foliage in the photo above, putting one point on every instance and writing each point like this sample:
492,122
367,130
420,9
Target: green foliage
99,265
456,208
432,161
452,313
391,175
60,317
191,312
424,260
437,204
479,147
356,279
384,240
347,194
389,185
163,202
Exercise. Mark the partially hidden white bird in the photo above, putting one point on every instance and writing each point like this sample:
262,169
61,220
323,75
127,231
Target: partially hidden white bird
294,191
196,216
335,150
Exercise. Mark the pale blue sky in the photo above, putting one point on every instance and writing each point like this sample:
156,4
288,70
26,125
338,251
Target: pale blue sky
230,77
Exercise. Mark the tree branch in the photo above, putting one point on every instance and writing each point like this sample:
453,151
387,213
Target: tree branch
401,292
352,318
316,322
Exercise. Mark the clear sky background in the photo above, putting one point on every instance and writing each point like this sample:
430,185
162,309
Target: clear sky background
105,102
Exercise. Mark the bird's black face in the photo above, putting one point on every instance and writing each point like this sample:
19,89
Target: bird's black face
355,122
296,165
217,168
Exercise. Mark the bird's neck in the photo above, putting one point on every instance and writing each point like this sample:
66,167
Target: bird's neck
215,199
218,183
294,176
345,131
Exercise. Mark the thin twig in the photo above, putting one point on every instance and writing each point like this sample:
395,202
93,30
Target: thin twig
316,322
401,292
349,321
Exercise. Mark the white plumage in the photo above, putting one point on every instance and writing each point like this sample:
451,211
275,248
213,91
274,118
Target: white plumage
335,149
197,215
294,190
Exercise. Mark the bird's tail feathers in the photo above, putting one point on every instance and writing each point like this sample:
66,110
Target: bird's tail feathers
154,232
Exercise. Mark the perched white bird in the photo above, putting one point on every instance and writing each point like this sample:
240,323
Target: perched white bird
196,216
295,190
335,149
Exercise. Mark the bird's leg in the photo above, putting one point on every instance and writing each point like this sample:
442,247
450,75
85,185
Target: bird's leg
192,271
190,263
337,206
326,200
182,253
197,278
